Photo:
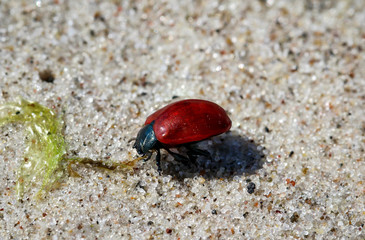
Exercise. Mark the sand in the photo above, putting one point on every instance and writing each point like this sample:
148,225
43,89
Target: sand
290,74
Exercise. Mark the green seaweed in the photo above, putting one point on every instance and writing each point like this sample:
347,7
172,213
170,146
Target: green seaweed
45,158
45,148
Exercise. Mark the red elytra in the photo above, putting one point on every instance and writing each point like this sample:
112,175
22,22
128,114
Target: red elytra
189,120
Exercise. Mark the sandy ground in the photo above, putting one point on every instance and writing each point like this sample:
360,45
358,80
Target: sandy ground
290,74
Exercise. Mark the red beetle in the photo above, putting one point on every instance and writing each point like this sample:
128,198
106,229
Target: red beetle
181,123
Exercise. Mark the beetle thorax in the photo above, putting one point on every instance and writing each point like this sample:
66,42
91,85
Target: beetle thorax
146,139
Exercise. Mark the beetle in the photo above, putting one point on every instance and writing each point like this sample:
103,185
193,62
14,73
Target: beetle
181,123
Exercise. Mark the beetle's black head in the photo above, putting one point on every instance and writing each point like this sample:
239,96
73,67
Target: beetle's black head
146,139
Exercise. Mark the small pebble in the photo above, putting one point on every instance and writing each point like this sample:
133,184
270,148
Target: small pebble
251,187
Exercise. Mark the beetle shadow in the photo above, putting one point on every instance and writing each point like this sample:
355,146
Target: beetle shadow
230,155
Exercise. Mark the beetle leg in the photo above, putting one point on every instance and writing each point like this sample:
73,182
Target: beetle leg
179,157
158,161
198,152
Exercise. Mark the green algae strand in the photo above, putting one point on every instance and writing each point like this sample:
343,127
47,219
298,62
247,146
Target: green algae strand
45,145
45,158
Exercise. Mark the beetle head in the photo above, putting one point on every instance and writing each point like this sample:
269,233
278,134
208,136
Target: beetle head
146,139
